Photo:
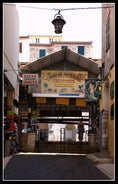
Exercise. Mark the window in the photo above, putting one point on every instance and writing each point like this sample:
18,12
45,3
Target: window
108,33
37,40
81,50
112,90
62,47
20,47
42,53
50,40
112,112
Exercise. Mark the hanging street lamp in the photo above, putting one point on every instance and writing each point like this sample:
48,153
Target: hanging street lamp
58,22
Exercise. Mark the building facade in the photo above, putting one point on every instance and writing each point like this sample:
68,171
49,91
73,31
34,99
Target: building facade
10,56
36,40
107,103
33,47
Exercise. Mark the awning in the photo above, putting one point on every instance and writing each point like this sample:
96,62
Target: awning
64,54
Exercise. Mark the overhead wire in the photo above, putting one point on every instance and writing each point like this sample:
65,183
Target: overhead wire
65,9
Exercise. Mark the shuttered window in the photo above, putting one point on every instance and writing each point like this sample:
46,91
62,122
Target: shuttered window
108,33
112,112
81,50
20,47
37,40
62,47
112,90
42,53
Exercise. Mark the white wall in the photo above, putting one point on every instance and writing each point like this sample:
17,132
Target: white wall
11,44
24,56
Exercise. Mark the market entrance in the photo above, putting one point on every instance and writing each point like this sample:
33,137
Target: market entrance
61,119
56,87
60,133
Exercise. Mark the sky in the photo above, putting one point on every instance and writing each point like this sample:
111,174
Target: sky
81,24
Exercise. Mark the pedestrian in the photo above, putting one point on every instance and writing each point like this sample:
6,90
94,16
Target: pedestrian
81,130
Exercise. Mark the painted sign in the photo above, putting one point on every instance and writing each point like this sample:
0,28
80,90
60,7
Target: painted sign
63,82
30,79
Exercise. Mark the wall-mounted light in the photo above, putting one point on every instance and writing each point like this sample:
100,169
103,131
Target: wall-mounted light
19,79
58,23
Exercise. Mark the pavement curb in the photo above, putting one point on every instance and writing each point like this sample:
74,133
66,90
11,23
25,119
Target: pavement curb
108,169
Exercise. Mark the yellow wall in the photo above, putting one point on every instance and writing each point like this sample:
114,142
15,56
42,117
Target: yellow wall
101,101
111,123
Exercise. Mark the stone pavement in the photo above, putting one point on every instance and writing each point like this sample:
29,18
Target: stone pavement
104,163
101,161
6,160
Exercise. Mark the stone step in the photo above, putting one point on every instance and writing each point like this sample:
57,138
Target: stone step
64,147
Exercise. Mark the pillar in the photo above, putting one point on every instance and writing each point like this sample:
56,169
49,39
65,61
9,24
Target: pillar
105,131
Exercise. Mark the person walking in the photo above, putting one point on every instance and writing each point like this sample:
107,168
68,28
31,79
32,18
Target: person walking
81,130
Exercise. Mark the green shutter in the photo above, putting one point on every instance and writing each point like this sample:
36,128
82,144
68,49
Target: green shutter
62,47
112,90
81,50
41,53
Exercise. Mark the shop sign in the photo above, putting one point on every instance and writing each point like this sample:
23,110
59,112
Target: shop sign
63,82
30,79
